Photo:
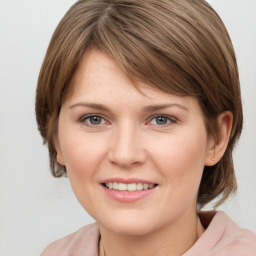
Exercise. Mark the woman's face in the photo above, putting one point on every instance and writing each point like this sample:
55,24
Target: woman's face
112,135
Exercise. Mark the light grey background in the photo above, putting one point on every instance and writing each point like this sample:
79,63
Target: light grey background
35,208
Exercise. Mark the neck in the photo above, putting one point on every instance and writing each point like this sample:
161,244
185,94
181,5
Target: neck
172,240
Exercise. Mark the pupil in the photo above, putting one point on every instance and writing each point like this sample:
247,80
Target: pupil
95,120
161,120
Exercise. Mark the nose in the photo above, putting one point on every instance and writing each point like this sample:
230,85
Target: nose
126,147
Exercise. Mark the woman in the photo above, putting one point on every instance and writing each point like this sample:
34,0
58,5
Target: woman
139,103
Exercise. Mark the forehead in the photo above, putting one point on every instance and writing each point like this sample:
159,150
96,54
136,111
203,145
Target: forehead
100,78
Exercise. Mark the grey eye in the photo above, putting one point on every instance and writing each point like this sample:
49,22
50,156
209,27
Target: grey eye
94,120
161,120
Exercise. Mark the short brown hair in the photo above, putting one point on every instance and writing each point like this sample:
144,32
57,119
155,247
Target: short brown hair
178,46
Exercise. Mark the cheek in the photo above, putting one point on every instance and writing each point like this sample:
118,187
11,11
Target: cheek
81,155
181,163
181,160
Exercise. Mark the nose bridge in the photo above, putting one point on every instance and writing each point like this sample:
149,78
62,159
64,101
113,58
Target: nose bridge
126,147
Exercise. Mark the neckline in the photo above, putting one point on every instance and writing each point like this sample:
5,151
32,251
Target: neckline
101,248
203,217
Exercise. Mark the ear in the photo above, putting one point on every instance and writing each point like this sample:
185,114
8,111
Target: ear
218,147
59,156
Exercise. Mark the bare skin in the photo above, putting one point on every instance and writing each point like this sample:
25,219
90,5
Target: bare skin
108,130
155,244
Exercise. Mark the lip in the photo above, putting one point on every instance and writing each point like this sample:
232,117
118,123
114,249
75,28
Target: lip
127,196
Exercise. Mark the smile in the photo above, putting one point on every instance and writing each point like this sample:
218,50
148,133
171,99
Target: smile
129,187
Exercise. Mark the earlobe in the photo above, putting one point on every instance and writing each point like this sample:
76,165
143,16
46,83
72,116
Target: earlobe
218,147
59,156
60,159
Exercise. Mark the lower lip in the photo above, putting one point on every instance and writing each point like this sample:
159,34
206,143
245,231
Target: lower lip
127,196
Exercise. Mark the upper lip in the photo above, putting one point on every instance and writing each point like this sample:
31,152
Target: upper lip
127,180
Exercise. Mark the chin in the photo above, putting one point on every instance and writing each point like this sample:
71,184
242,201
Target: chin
129,225
130,229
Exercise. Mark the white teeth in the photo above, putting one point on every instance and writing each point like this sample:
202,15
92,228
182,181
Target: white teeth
131,187
145,186
128,187
115,185
122,186
139,186
151,186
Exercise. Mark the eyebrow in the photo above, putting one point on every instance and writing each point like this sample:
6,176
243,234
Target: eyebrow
149,108
163,106
90,105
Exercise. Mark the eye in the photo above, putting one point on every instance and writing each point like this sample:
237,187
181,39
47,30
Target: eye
93,120
162,120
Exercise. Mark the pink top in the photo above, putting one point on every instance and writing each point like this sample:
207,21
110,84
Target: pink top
222,237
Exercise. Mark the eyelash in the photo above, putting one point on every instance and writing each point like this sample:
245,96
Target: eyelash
170,120
84,118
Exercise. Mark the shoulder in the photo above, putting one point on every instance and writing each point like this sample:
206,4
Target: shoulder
235,241
223,237
82,242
